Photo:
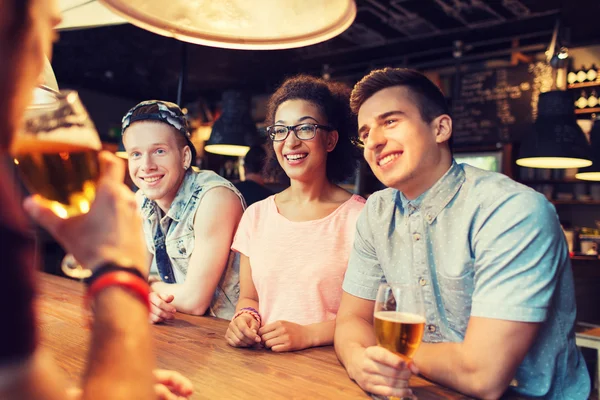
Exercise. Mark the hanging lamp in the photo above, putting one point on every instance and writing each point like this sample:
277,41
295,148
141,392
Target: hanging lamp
556,141
234,131
240,24
592,173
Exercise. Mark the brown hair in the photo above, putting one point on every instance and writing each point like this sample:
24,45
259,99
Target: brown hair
16,24
428,97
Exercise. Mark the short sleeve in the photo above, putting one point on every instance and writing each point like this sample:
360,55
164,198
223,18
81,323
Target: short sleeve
364,273
241,240
520,251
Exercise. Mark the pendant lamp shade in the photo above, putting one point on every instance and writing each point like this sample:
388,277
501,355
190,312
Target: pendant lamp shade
45,94
234,131
592,173
240,24
121,151
556,141
81,14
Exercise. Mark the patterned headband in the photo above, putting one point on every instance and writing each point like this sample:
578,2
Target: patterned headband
169,113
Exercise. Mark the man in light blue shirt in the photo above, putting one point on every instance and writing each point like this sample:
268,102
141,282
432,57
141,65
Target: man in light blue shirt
487,254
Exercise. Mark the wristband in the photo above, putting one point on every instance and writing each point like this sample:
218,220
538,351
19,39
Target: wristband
125,279
111,267
253,313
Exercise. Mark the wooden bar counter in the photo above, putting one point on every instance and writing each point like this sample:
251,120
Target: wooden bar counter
195,346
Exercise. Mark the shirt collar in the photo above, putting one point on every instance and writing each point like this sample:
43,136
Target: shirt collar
182,198
437,197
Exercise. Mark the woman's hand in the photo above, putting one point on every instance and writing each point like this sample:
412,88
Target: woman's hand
243,331
282,336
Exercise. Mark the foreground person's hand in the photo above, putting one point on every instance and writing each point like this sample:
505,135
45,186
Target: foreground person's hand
110,231
170,385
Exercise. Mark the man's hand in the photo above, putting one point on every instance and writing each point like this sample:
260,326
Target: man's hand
379,371
282,336
243,331
110,231
170,385
160,309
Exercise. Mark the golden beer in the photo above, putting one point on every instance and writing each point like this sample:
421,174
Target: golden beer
62,171
399,332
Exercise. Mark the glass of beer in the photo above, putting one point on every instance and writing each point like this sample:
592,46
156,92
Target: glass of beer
56,154
399,319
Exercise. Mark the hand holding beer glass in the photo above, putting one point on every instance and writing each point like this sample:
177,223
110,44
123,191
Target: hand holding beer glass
57,156
399,319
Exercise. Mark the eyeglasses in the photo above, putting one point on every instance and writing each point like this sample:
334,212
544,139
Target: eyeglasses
279,133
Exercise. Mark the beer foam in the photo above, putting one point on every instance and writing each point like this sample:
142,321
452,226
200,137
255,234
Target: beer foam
62,139
403,317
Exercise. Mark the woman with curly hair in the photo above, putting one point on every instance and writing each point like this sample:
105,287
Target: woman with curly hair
294,246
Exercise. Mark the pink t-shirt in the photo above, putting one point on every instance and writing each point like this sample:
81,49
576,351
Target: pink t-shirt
297,267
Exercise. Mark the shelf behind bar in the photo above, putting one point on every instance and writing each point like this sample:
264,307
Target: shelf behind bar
587,110
583,85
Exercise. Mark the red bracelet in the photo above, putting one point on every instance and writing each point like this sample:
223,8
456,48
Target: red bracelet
132,282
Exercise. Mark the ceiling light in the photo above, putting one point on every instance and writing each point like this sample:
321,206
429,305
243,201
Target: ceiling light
592,173
79,14
556,141
234,131
241,24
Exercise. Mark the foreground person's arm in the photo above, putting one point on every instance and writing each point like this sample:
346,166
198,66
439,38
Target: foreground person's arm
121,360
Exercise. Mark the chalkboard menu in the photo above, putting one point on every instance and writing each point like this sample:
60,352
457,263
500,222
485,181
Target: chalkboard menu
498,105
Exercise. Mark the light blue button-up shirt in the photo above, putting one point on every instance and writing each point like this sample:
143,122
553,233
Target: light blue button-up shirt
478,244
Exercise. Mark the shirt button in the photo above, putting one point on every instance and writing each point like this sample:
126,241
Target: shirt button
422,282
166,277
417,237
429,217
431,328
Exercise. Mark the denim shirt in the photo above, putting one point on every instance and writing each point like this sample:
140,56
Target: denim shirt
478,244
178,226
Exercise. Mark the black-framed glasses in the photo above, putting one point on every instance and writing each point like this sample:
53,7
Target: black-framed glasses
279,133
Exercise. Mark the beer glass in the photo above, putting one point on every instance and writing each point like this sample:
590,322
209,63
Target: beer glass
56,154
399,319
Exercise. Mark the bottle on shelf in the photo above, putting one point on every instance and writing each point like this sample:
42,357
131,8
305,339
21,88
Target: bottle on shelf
572,77
592,73
592,100
582,101
581,74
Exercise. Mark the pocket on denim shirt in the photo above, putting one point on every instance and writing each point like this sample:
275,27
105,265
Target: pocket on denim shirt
457,295
180,249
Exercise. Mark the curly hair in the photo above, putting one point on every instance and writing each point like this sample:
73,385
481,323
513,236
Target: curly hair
333,101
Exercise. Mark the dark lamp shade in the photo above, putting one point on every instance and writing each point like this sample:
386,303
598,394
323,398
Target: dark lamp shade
592,173
556,141
234,132
121,151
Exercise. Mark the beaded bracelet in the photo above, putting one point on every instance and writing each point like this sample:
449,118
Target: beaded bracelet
253,313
